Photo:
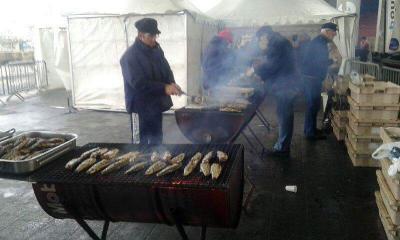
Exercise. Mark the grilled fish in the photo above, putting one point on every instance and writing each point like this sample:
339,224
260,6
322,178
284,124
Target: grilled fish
121,162
215,170
156,167
170,169
208,157
177,159
167,156
205,168
155,157
192,164
110,154
137,167
72,163
85,164
223,157
99,166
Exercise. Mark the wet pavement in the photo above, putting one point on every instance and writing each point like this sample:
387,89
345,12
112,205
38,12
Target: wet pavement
334,199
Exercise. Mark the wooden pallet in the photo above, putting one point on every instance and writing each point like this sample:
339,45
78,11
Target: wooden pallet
360,160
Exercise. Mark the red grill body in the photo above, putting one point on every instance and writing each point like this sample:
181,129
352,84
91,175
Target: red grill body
194,200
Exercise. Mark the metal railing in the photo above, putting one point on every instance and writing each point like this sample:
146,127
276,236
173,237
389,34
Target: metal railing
381,73
390,75
25,76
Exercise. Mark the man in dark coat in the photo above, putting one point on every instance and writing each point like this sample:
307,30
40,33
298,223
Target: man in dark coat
148,81
314,68
218,60
276,66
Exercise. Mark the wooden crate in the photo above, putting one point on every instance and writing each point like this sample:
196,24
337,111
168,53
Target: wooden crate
392,205
340,118
390,134
363,144
385,163
374,113
360,160
375,92
367,127
392,231
340,133
392,182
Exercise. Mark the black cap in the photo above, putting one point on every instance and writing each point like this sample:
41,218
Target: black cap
330,26
147,25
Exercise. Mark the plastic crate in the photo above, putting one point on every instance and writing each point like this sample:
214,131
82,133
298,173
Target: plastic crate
340,133
376,92
367,127
363,144
360,160
392,231
392,205
340,118
390,134
374,113
392,182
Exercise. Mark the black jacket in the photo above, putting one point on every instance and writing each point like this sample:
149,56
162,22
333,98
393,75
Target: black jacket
278,68
146,72
316,60
218,62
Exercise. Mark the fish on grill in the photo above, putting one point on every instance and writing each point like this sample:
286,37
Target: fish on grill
205,168
110,154
121,162
177,159
137,167
74,162
155,157
94,157
156,167
208,157
216,169
194,161
222,157
170,169
167,156
99,166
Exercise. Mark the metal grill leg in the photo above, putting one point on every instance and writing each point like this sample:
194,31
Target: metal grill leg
131,122
250,194
257,139
87,228
263,120
105,230
203,232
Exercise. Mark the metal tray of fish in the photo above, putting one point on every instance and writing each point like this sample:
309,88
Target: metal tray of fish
7,134
31,164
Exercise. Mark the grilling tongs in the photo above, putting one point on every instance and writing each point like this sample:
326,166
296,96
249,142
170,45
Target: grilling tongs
195,99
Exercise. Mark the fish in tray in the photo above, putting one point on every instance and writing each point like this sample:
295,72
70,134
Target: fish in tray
74,162
194,161
121,162
92,159
156,167
177,159
216,169
137,167
170,169
222,157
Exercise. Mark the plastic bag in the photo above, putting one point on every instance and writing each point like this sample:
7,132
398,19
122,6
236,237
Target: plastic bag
392,152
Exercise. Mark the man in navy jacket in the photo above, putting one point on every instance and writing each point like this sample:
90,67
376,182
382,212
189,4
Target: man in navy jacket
148,81
314,68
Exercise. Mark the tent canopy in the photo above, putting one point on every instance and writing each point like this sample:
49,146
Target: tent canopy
242,13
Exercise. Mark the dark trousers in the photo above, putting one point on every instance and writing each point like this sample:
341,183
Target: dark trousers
150,127
285,114
312,92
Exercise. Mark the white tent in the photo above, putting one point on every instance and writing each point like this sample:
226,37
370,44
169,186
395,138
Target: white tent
98,41
253,13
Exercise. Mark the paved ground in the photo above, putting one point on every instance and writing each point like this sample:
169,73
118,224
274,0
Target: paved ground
334,200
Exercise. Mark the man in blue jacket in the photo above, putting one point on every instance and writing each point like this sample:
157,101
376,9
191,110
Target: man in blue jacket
218,60
314,68
275,64
148,81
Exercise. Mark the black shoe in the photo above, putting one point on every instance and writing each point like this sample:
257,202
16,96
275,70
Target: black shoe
276,153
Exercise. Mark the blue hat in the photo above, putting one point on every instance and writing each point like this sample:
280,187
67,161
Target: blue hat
330,26
147,25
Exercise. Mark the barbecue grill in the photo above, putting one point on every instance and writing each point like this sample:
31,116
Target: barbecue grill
172,199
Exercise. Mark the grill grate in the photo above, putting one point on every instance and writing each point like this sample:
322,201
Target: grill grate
56,173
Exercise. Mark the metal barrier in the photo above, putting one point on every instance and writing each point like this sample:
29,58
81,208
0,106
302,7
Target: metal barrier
390,75
362,68
19,77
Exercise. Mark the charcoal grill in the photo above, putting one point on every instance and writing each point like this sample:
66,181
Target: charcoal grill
172,199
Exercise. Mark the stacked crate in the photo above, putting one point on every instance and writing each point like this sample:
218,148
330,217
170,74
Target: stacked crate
339,123
373,104
388,196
